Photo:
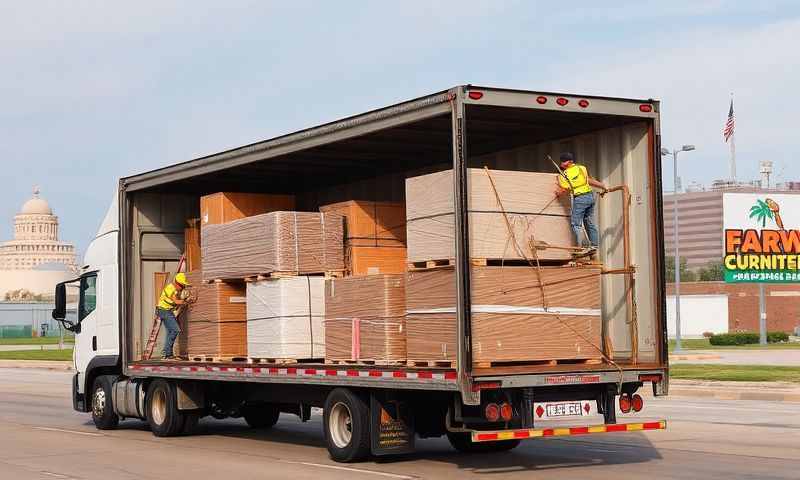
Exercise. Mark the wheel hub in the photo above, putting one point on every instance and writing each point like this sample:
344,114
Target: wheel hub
159,406
341,425
99,403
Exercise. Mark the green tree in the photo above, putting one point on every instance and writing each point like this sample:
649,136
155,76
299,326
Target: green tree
686,274
712,272
761,212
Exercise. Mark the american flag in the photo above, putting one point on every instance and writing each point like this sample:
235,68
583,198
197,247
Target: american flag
729,125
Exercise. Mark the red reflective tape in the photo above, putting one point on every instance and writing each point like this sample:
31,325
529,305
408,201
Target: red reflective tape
375,373
451,375
332,373
617,428
291,371
579,430
652,425
522,434
352,373
547,432
273,371
311,371
424,374
399,374
487,436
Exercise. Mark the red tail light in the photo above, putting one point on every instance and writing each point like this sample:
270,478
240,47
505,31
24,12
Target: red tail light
477,387
475,95
625,403
562,101
541,100
650,378
583,103
637,402
492,412
646,108
506,411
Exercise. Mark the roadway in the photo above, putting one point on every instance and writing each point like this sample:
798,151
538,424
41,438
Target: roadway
42,438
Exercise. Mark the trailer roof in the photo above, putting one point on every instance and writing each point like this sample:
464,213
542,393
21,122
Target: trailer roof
419,109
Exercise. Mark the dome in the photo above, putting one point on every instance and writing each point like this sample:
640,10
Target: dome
36,205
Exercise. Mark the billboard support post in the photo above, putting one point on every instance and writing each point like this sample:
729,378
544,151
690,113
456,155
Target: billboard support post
762,315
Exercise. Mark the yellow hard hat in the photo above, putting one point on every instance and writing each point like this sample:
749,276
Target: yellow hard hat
180,277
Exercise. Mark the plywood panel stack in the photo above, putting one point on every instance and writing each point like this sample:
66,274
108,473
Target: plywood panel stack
191,248
509,323
216,322
375,235
285,318
528,199
365,319
278,242
224,207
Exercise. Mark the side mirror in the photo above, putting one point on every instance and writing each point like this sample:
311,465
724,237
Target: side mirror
60,310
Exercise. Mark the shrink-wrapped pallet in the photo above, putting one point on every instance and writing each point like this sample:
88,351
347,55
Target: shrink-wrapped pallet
365,319
292,242
509,321
224,207
216,322
528,199
285,318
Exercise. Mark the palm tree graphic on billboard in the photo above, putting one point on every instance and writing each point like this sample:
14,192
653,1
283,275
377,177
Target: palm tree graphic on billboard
766,209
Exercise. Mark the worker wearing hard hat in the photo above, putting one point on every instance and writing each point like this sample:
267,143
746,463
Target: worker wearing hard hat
574,178
168,303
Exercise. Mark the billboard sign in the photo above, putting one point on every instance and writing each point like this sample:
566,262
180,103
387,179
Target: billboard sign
761,237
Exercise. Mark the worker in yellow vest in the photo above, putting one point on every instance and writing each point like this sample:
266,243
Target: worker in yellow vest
574,178
168,303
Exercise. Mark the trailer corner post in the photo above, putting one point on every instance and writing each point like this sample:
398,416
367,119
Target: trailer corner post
461,203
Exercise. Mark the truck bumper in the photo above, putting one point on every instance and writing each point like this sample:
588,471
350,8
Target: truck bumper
78,399
525,433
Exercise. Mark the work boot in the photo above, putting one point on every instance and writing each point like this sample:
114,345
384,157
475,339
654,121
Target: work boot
169,357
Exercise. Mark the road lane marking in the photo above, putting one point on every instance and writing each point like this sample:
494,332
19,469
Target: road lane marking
53,474
50,429
351,469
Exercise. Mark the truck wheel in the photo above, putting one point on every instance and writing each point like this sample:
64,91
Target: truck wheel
464,444
261,415
162,409
103,414
346,426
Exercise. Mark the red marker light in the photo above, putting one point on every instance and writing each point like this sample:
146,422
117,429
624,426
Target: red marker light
583,103
541,100
637,403
492,412
506,411
646,108
475,95
562,101
625,403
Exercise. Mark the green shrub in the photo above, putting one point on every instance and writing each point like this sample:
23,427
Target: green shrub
746,338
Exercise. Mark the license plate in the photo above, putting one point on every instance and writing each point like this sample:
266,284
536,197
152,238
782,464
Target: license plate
567,409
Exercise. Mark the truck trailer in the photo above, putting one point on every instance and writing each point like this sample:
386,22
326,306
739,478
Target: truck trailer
372,408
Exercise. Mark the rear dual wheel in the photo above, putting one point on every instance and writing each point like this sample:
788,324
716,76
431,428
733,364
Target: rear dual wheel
162,411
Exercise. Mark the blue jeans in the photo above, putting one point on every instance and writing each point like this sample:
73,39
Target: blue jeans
583,216
173,329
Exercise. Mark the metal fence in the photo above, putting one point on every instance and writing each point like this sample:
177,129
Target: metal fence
26,320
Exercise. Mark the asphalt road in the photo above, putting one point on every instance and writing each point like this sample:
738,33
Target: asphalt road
42,438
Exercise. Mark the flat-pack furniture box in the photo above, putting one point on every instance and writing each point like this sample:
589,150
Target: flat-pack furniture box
528,199
224,207
285,318
216,322
362,260
365,319
371,224
288,242
510,322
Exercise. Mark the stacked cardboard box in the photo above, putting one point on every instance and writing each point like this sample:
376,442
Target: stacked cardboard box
375,236
365,319
224,207
285,318
216,323
289,242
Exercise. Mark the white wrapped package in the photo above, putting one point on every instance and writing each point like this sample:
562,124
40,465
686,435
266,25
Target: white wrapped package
285,318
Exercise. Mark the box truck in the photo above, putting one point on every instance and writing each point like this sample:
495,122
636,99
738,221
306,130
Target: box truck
373,408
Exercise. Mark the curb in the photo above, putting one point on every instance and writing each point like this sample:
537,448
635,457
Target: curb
37,364
735,395
759,391
697,356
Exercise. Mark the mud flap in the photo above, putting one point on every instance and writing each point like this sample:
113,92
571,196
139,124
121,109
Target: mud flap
391,425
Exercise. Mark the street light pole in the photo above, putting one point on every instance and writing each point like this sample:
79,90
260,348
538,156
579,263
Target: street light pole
675,151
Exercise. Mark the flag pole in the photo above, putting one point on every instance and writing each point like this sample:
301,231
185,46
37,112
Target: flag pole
733,149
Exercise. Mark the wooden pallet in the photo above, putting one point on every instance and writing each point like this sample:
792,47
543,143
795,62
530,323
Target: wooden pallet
587,361
432,363
276,275
482,262
282,361
216,359
365,362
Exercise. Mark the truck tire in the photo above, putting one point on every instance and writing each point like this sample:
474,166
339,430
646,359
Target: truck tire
346,426
261,415
103,414
162,412
464,444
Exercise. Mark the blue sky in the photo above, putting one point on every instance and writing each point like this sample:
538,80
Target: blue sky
91,91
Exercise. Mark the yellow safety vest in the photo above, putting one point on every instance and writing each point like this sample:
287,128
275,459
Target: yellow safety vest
165,299
578,180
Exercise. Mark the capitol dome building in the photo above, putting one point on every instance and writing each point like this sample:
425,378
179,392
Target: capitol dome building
35,260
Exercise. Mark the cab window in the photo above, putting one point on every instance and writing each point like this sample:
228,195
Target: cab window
88,297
